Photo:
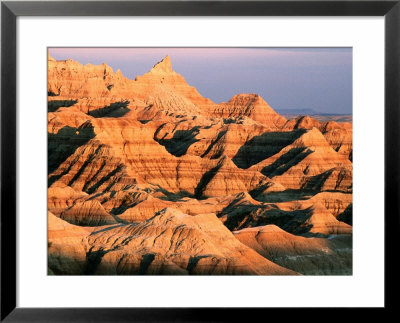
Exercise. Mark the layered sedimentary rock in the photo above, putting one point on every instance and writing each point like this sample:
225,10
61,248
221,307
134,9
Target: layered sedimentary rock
169,243
88,213
309,256
61,197
147,176
308,162
338,135
66,248
251,106
303,216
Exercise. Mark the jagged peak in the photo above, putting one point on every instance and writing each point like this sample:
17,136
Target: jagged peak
247,98
306,122
311,138
107,68
246,95
303,118
163,66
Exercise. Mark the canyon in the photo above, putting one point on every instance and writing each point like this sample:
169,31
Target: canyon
148,177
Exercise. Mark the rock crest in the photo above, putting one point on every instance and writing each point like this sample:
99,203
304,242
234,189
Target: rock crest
162,67
147,176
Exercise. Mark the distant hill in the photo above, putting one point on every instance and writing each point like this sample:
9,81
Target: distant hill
148,177
297,112
320,116
333,117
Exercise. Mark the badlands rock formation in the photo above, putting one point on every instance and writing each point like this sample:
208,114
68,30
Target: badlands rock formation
308,256
147,176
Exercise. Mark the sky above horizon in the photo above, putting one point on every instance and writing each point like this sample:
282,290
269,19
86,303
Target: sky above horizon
287,78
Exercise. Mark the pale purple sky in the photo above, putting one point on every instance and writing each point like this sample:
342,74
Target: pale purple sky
287,78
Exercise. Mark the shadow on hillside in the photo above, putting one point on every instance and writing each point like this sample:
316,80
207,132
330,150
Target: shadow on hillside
286,161
181,141
145,263
316,182
282,196
93,260
218,153
347,215
114,110
205,179
53,106
51,93
64,143
264,146
173,197
104,179
193,261
247,216
111,227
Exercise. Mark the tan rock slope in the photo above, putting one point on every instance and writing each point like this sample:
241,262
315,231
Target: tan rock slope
147,176
309,256
171,242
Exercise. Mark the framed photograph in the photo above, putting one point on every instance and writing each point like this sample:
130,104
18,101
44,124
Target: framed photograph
187,160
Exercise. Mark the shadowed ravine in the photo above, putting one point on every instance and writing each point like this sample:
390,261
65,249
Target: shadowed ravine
264,146
148,177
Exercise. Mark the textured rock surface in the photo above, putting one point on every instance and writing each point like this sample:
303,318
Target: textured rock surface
171,242
88,213
66,247
308,256
315,215
147,176
248,105
338,135
309,162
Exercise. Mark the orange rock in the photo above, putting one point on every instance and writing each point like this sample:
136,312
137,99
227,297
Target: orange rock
150,176
248,105
169,243
309,256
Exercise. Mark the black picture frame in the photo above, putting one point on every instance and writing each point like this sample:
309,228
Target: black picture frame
10,10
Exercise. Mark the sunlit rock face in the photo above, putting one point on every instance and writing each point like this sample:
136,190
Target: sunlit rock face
147,176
